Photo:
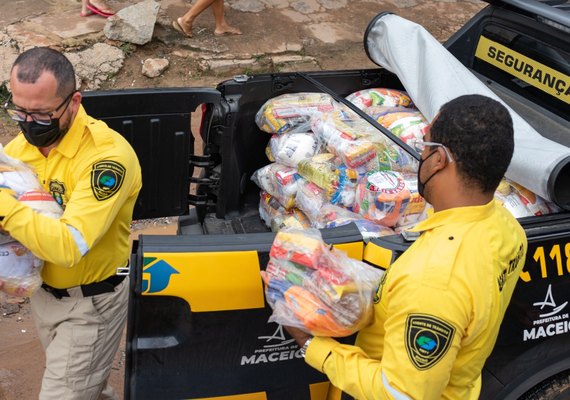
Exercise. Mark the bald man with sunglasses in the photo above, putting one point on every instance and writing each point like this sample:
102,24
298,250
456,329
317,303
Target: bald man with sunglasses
93,173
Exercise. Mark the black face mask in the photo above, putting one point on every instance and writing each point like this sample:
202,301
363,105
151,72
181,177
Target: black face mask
422,185
41,135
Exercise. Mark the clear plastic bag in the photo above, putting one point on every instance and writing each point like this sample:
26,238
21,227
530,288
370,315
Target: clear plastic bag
317,288
279,181
292,112
291,148
383,197
368,98
346,135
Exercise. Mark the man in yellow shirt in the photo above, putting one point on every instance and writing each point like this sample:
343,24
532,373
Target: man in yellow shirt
440,305
94,174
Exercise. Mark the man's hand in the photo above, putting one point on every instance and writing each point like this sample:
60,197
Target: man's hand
300,336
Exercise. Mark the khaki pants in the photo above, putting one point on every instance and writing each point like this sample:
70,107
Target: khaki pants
80,337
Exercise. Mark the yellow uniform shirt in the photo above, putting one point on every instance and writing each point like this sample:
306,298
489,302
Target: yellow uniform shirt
95,175
438,311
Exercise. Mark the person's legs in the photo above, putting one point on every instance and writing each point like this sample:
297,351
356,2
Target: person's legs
84,10
187,19
222,27
80,337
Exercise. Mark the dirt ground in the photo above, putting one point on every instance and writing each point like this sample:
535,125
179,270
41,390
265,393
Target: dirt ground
21,356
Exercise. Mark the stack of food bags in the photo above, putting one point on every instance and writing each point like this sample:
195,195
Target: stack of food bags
333,157
19,268
317,288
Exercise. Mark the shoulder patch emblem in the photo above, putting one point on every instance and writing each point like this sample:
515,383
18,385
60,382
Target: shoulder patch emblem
427,339
106,179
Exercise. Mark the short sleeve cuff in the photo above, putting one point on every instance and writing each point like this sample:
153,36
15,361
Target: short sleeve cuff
318,351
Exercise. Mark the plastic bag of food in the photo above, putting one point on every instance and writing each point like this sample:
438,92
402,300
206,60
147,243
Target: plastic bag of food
514,204
535,204
346,135
279,181
277,217
19,268
322,171
346,191
294,219
291,148
317,288
310,198
292,112
407,125
393,158
382,197
414,211
365,99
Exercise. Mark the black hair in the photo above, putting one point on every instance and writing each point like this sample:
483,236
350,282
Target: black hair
479,133
32,63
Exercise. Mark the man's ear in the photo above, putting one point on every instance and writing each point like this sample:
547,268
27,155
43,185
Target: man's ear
76,101
76,98
440,160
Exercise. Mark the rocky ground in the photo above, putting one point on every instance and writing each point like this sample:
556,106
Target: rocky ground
278,35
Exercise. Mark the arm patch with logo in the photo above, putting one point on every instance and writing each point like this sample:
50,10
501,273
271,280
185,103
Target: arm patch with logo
106,179
427,339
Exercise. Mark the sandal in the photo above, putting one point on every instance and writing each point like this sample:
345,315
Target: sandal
178,26
104,12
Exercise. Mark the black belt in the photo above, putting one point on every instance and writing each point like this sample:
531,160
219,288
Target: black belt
91,289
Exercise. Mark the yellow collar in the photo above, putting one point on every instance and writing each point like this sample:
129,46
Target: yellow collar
456,215
70,143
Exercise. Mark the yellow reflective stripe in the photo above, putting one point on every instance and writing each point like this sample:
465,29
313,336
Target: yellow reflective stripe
215,281
378,256
526,69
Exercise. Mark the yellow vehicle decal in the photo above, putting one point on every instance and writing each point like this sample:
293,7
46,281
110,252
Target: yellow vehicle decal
353,250
247,396
377,255
213,281
553,261
318,391
208,281
526,69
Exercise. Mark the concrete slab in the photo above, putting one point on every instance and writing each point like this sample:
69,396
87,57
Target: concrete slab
329,32
17,10
68,24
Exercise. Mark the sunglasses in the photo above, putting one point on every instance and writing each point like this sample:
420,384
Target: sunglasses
42,118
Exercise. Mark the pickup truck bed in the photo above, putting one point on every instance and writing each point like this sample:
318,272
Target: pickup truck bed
197,323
